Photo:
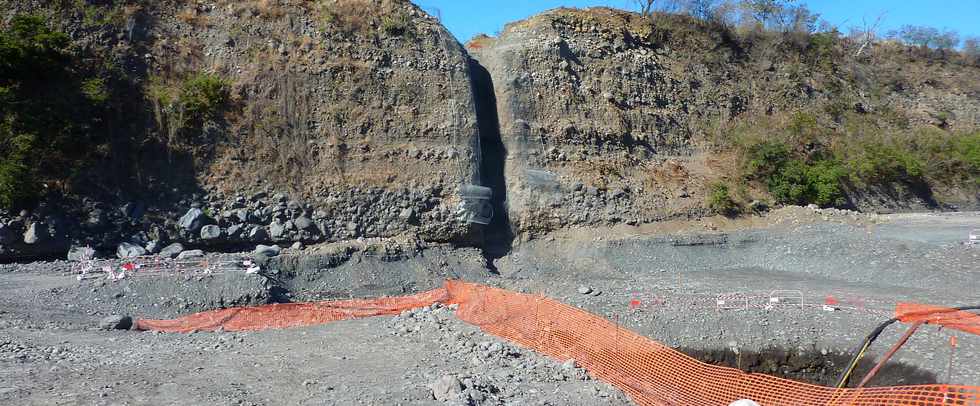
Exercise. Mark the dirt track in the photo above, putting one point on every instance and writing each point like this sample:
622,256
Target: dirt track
50,352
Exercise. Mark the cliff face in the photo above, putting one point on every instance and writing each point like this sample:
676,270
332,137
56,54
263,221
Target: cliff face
360,109
232,123
607,117
342,119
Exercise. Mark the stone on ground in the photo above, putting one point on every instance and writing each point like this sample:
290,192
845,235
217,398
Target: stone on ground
116,322
172,250
191,254
128,250
267,250
446,388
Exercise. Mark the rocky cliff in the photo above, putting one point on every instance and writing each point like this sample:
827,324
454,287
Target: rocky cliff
343,119
610,117
234,123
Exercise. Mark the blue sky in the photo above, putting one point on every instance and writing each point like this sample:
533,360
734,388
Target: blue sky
466,18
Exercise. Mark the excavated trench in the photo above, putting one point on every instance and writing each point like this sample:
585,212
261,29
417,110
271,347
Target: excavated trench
812,367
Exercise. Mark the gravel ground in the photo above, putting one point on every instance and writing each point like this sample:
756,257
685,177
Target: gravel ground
867,266
387,360
52,353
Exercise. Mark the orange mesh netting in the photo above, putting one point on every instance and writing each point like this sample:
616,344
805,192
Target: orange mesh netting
291,314
955,319
649,372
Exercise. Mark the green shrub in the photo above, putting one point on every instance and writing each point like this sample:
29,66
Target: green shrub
804,129
966,149
877,162
183,106
821,49
395,25
49,118
951,158
804,183
719,199
795,180
203,96
95,90
766,159
17,185
29,49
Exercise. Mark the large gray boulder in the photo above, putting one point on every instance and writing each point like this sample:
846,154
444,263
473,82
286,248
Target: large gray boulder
191,254
210,232
36,233
193,220
304,223
81,253
267,250
172,250
128,250
277,230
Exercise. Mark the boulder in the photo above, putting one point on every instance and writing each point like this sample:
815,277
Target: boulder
129,250
235,231
190,254
407,215
193,220
258,234
81,253
277,230
304,223
153,247
36,233
172,250
96,218
116,322
267,250
210,232
446,388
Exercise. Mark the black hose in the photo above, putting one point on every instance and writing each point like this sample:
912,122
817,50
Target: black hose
846,375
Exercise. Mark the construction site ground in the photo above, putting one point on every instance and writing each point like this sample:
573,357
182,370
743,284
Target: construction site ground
756,287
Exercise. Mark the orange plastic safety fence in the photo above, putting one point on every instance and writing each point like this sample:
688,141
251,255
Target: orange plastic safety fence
955,319
287,315
652,373
649,372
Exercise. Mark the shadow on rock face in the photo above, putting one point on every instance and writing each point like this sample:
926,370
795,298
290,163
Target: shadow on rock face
499,236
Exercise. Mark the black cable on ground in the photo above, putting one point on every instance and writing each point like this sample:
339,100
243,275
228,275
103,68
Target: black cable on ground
846,375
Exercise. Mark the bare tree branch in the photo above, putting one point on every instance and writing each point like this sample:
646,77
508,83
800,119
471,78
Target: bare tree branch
869,33
646,7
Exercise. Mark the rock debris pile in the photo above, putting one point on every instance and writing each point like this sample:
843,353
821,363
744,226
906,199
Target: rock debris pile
492,372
